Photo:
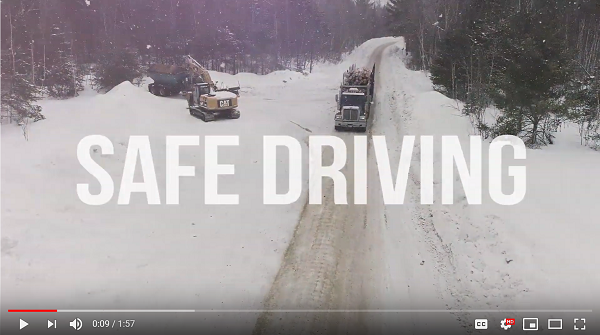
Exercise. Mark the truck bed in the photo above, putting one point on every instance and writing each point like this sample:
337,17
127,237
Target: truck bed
167,79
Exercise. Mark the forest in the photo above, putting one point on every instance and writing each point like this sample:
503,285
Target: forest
52,44
536,61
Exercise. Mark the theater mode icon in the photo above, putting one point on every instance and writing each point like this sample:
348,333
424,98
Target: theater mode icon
481,324
555,324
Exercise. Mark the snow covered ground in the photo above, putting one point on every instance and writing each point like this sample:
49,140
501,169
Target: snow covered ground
539,254
191,256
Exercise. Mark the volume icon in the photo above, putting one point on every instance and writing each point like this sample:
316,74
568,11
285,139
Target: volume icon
76,324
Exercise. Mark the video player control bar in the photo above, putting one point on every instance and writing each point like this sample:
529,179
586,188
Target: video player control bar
102,311
286,311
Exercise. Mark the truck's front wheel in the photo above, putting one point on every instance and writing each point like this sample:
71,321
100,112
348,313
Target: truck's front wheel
162,92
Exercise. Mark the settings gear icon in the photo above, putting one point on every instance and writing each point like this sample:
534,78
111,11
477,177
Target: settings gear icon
504,325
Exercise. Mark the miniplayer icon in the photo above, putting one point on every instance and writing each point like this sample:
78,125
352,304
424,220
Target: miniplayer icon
530,324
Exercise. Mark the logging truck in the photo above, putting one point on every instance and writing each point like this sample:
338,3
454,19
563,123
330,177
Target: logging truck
355,99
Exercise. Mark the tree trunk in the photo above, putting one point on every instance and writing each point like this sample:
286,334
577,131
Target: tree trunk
12,49
32,64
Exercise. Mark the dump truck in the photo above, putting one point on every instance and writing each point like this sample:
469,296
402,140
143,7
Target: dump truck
170,79
205,99
355,99
173,79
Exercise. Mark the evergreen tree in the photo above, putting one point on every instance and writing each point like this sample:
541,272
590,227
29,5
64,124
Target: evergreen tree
584,97
537,68
513,57
18,90
18,94
115,67
62,76
402,18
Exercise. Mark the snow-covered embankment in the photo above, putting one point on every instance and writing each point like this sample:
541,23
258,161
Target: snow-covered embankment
538,254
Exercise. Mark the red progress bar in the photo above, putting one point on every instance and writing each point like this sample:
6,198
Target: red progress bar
32,310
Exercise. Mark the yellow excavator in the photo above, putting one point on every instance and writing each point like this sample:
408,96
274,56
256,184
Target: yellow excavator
205,100
194,67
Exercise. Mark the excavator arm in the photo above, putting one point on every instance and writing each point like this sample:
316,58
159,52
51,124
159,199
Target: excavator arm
195,67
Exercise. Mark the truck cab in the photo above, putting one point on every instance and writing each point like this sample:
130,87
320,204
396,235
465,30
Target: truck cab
353,107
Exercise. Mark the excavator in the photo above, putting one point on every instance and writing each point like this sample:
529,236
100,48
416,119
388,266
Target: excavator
205,100
194,67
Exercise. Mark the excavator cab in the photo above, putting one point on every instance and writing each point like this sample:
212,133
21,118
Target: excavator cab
200,89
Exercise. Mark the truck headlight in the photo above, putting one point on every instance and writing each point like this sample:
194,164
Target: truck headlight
362,117
338,116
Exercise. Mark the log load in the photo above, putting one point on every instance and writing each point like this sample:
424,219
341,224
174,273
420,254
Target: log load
357,77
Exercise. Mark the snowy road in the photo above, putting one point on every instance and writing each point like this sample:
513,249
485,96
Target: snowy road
336,260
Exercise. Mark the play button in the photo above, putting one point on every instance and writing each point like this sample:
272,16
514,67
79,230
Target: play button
22,324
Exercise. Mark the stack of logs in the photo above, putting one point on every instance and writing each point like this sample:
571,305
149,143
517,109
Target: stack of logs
356,76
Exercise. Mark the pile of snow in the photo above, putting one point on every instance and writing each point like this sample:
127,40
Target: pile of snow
361,55
124,89
323,75
250,82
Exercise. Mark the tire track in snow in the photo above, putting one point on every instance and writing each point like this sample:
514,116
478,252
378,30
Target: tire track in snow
448,288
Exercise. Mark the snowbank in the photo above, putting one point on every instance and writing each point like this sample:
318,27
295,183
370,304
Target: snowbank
539,254
125,88
323,75
251,83
361,55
